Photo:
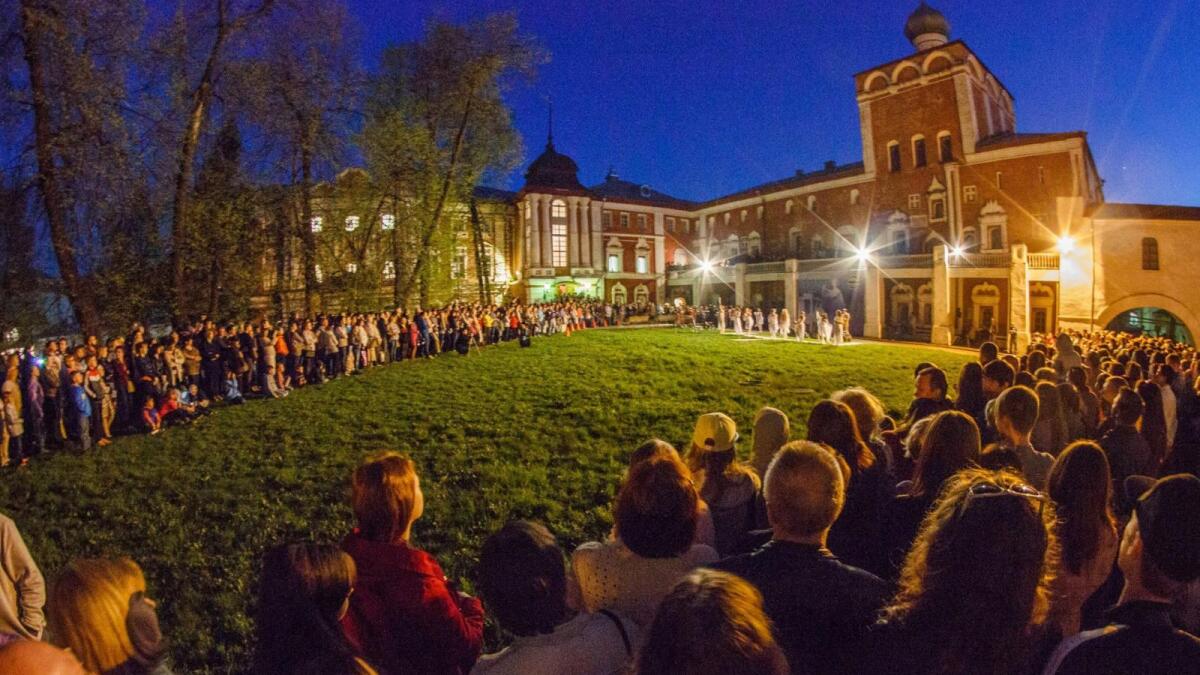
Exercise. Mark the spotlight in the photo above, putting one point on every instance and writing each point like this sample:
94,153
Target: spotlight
706,266
1065,244
862,254
956,251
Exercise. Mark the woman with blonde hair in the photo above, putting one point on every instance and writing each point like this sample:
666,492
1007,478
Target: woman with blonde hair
404,616
728,486
771,431
706,532
99,610
711,623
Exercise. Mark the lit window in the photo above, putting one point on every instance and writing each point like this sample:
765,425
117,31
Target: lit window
687,226
812,202
758,213
625,220
389,270
316,223
351,223
914,202
995,238
558,209
969,193
389,221
317,273
787,207
743,215
854,197
558,244
614,262
1149,253
351,267
606,219
641,264
458,266
13,335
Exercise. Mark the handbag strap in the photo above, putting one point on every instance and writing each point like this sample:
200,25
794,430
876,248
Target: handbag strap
620,627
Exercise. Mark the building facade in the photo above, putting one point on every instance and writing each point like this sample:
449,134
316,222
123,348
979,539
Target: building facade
953,226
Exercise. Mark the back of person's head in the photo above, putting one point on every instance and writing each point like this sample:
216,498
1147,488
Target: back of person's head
1128,407
922,366
1080,485
385,496
1160,551
988,352
88,608
1025,378
1019,405
867,408
1048,405
1078,377
970,386
833,424
999,371
949,445
1046,374
711,623
303,593
1037,359
1068,398
523,578
655,513
35,656
804,490
652,448
977,575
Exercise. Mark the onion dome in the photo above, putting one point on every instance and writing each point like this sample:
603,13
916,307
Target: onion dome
926,27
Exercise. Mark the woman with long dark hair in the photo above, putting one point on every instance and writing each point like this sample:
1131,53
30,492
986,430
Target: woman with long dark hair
1050,432
856,534
1154,423
1079,486
303,595
974,591
971,399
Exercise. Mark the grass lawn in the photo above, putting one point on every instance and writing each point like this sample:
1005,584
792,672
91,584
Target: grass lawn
534,433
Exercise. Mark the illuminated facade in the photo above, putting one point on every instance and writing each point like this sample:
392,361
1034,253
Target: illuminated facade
953,227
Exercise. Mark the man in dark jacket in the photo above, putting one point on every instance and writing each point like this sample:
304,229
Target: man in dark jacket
1159,555
1128,453
819,605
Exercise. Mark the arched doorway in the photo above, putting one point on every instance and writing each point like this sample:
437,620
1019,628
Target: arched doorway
1152,321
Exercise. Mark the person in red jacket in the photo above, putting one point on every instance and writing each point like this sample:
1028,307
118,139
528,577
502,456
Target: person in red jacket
405,616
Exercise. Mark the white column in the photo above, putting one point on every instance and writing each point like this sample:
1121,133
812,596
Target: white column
1018,296
791,298
547,256
597,236
873,305
740,287
660,254
572,231
535,231
585,232
942,332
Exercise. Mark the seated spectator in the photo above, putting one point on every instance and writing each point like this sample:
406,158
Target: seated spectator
233,393
98,609
819,605
151,420
1089,403
949,445
989,536
172,412
655,518
868,415
404,615
1016,416
971,398
855,535
706,532
32,656
1080,487
929,395
304,591
278,383
523,579
1127,451
711,622
22,588
729,487
1159,555
771,432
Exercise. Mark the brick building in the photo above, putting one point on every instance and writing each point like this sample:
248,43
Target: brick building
952,227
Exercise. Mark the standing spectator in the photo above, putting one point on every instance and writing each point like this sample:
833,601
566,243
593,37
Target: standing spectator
819,605
655,520
1017,412
1127,451
1050,431
989,537
729,487
13,429
1089,403
404,614
1159,555
1072,411
1154,425
711,622
22,588
1080,487
304,592
771,431
35,415
80,412
1164,376
523,578
855,536
971,398
99,610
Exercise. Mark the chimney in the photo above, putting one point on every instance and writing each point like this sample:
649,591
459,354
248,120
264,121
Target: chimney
830,165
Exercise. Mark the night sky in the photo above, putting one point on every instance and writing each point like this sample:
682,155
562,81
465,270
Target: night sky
699,99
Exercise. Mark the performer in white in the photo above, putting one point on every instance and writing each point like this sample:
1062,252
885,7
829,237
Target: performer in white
826,329
801,326
758,320
721,318
785,323
773,324
747,320
737,320
845,326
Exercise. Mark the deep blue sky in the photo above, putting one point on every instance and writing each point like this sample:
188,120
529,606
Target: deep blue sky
699,99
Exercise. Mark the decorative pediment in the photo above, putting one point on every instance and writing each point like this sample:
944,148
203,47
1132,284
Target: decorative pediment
992,208
936,186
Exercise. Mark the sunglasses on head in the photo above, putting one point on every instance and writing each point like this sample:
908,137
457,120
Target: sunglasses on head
986,490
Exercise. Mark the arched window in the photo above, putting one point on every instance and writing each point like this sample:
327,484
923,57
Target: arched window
818,246
795,241
945,147
619,296
854,196
787,207
812,202
558,233
641,295
754,244
918,149
893,149
680,257
1149,253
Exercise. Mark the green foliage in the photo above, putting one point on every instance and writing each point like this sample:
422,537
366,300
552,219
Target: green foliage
541,433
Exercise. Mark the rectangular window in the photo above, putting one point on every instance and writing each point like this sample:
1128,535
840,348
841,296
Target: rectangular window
316,223
937,209
625,220
458,266
606,219
1041,175
388,221
894,157
389,270
558,244
558,210
351,267
999,181
317,273
914,202
919,152
670,224
1149,253
351,223
641,221
687,227
946,149
969,193
641,264
614,262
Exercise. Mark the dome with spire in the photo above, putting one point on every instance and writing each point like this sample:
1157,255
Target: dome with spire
552,169
926,27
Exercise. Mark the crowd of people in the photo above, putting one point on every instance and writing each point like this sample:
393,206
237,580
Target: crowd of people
825,327
82,395
1043,519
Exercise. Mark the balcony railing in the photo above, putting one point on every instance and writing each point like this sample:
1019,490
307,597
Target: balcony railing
980,260
777,267
1043,261
912,260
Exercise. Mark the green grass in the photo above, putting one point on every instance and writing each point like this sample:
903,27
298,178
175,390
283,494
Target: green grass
533,433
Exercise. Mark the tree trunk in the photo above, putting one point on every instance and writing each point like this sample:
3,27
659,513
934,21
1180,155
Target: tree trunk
482,268
307,240
79,292
281,224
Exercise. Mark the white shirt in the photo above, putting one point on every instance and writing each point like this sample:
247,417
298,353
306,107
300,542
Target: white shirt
609,576
1169,412
588,644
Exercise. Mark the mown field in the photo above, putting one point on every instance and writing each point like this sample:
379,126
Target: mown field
536,433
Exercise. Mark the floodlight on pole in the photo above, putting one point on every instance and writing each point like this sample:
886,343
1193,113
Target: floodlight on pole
1065,244
862,254
706,266
956,251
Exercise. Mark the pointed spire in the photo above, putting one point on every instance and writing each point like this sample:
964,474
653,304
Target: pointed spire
549,123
